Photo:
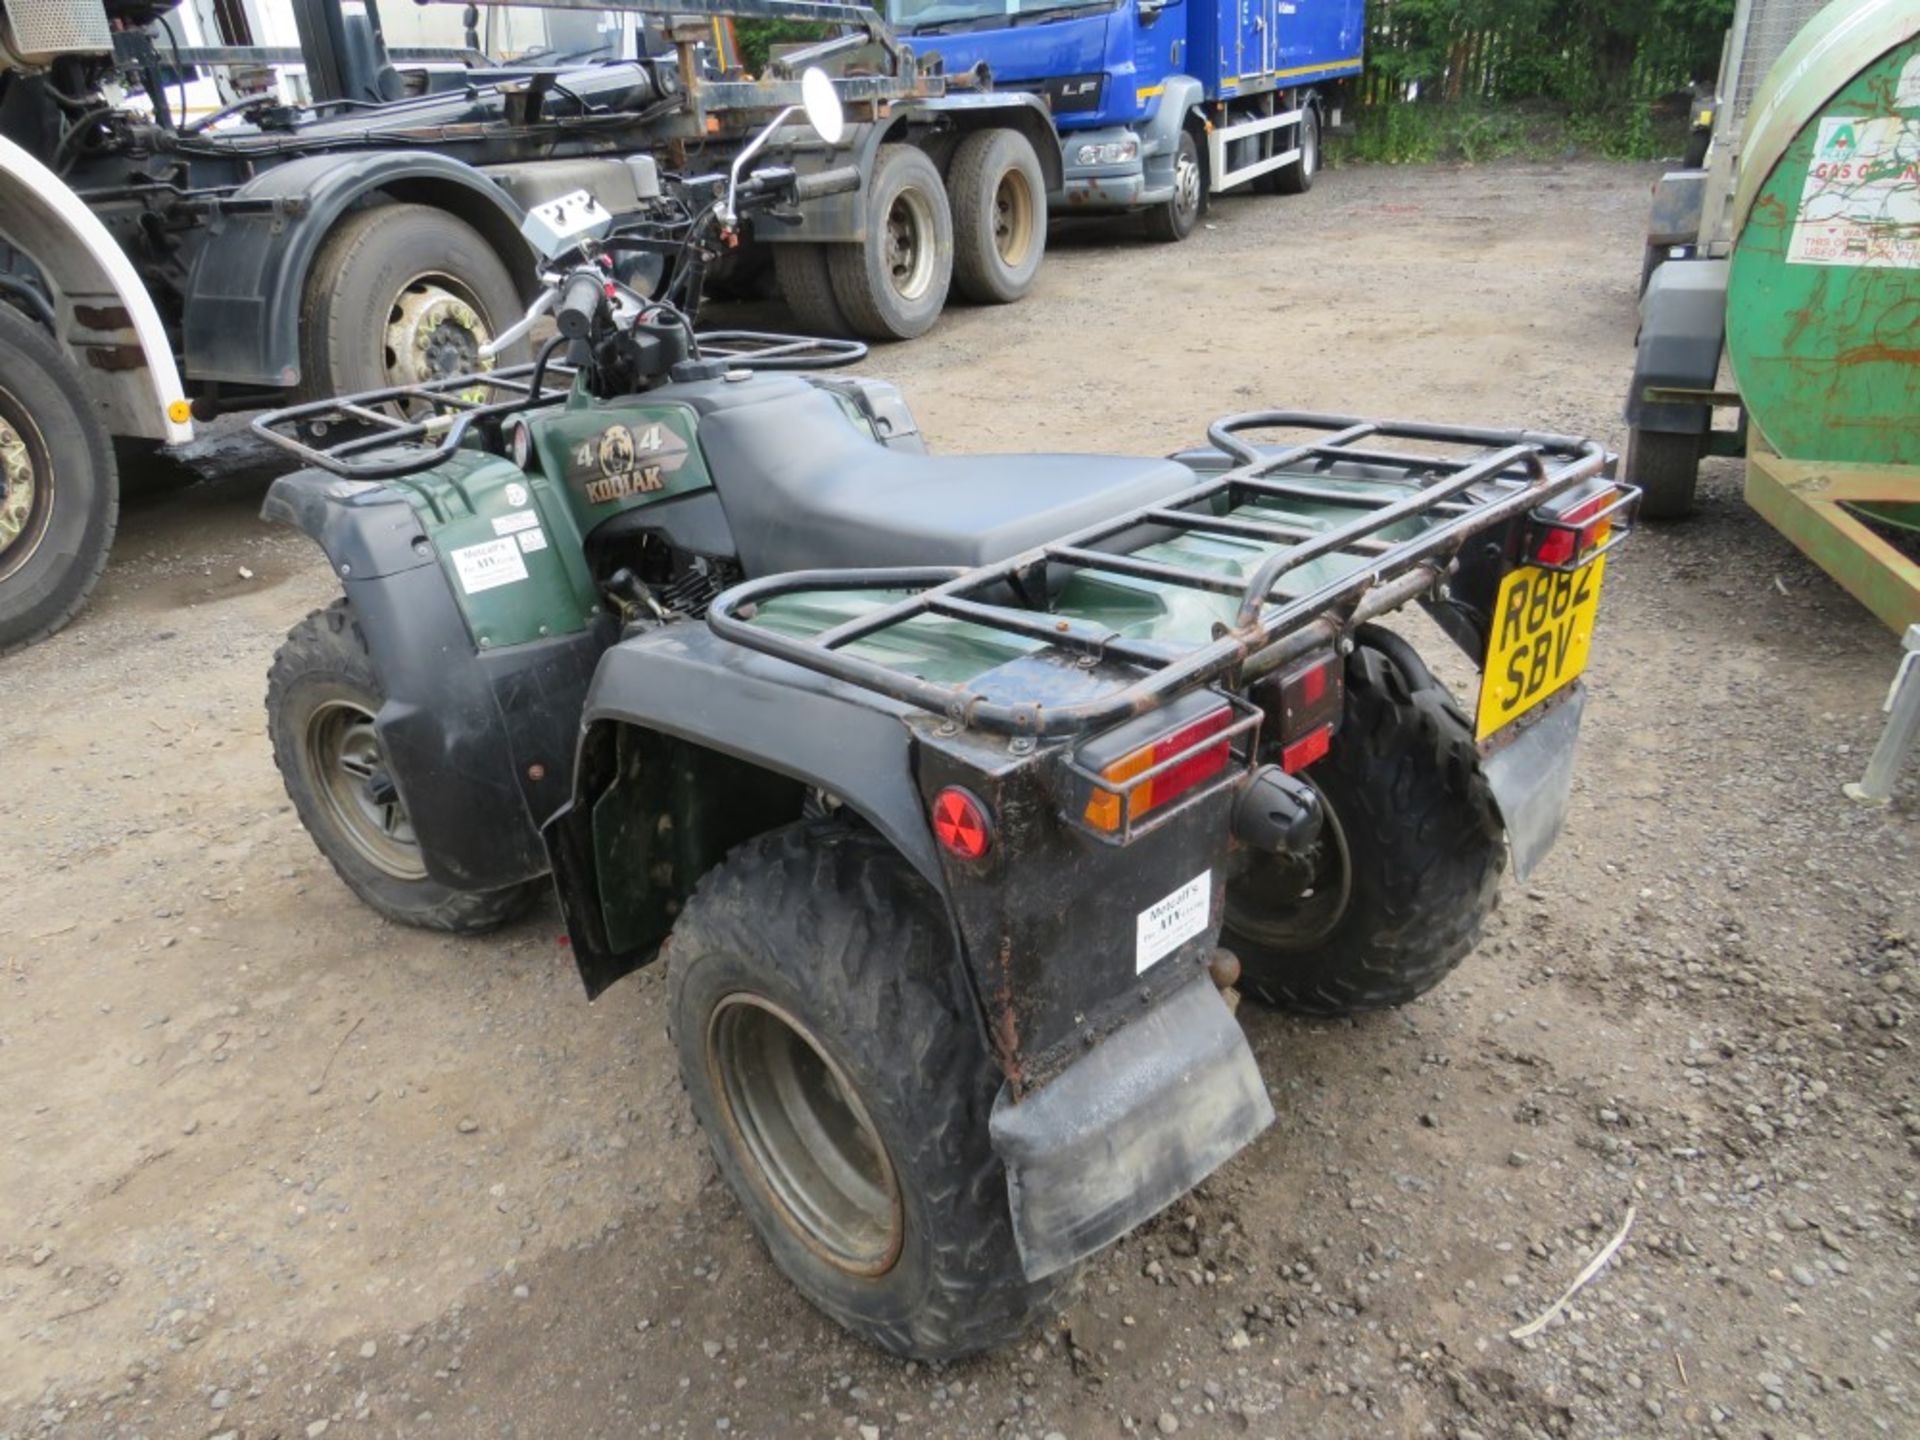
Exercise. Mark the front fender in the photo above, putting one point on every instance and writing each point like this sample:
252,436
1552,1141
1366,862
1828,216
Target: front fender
479,744
103,308
242,321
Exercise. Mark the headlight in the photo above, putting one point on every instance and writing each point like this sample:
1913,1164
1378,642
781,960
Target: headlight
1115,152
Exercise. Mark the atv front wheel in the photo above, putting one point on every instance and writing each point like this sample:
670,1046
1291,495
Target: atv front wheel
322,700
1407,866
828,1046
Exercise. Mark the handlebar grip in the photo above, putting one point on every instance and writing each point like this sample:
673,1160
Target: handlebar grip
580,299
827,182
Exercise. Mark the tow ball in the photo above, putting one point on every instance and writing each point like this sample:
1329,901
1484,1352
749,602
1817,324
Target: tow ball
1277,813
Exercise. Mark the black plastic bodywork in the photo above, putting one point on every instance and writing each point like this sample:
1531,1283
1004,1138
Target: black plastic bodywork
480,745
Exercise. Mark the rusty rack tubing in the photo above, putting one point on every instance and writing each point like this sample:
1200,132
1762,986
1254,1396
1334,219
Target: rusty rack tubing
1261,640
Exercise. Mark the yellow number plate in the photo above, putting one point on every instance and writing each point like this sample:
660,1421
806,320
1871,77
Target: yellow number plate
1542,629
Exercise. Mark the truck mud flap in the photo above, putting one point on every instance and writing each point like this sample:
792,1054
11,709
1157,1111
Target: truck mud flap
1128,1128
1531,777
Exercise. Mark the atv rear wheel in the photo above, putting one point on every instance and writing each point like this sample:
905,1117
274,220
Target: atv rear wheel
1407,866
322,700
829,1047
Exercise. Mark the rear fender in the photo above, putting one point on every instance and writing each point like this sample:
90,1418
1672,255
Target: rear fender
480,744
676,716
104,315
1683,324
242,322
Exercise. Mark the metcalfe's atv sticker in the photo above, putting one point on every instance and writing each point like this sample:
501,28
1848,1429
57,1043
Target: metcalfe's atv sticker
625,460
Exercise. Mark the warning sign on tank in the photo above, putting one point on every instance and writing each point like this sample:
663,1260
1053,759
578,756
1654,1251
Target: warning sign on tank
1861,202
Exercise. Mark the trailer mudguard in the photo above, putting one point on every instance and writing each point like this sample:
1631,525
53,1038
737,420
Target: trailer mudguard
480,744
242,318
104,313
1683,322
682,682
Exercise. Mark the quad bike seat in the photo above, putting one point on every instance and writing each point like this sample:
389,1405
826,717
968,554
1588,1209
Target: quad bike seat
803,490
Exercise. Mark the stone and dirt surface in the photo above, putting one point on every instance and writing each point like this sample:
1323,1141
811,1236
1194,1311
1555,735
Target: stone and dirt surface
270,1167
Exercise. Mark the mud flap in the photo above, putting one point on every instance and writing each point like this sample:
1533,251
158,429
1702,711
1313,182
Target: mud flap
1531,777
1128,1128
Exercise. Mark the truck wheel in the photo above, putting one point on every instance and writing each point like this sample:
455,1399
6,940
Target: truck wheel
829,1046
1176,218
806,284
999,200
1408,863
402,294
59,492
1666,467
322,696
1297,177
893,285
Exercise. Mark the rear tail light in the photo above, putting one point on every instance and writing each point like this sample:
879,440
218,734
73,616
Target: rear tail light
1565,534
1162,771
1303,705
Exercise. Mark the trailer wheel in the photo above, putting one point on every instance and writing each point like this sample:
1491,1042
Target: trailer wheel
829,1046
1174,220
999,199
1297,178
402,294
806,284
1408,863
59,491
322,697
1666,467
893,285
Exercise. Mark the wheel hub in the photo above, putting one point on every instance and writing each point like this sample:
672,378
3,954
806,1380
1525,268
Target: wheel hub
1186,183
797,1121
17,487
909,247
433,333
349,769
1012,217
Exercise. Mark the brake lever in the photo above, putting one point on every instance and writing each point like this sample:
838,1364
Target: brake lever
521,326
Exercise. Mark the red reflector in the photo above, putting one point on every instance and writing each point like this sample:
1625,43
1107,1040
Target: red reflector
1313,684
1203,764
1556,547
1307,749
960,822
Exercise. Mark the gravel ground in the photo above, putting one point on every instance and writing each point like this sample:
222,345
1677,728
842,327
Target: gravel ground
270,1167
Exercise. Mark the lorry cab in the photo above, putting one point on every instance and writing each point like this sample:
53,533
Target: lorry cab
1160,103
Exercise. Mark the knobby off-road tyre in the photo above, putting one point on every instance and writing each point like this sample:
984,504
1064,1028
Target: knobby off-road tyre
893,285
322,696
806,284
59,489
1407,866
999,200
1174,220
813,977
399,294
1666,467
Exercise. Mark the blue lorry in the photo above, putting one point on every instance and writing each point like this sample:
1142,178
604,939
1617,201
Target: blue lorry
1159,103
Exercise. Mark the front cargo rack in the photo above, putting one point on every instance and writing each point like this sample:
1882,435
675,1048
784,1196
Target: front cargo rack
1512,473
404,429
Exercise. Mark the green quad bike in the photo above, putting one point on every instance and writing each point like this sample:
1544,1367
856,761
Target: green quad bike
946,784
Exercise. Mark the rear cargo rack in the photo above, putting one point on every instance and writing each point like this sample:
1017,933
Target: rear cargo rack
404,429
1512,473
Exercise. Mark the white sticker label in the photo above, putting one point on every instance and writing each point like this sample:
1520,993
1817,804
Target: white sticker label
511,524
1861,203
490,563
532,540
516,492
1168,924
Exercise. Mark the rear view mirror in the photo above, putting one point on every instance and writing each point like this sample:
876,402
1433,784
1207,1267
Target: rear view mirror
822,104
